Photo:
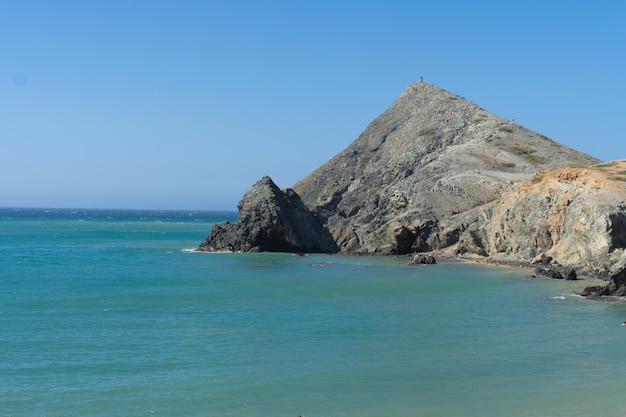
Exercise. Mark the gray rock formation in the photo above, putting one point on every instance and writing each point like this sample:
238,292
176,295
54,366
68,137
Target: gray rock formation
430,156
270,220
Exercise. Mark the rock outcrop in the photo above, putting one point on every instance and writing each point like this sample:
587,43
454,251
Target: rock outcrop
422,259
270,220
616,285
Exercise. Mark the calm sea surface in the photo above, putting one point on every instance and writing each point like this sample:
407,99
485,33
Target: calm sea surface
109,313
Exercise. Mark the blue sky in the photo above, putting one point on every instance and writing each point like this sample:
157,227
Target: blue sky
185,104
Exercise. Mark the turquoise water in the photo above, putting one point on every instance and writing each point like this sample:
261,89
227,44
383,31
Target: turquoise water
108,313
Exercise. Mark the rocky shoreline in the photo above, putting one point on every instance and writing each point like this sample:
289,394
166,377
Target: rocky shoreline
594,288
436,174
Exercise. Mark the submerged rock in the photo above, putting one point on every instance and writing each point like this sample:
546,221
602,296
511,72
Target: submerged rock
270,220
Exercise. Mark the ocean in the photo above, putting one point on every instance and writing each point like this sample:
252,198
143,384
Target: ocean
112,313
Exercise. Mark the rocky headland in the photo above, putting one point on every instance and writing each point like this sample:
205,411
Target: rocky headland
270,220
436,173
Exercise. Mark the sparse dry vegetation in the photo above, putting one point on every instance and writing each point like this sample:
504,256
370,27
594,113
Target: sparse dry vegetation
537,178
614,170
605,166
425,131
537,159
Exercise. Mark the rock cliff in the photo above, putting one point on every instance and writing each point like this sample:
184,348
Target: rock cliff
573,216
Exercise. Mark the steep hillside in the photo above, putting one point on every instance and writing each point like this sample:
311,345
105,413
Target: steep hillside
430,156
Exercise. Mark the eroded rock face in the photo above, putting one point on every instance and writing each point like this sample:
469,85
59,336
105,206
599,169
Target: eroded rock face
572,217
270,220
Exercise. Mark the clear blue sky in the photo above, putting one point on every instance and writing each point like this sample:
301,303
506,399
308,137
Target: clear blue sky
185,104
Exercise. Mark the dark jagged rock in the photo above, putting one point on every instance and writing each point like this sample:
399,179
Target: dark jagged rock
542,259
549,273
569,274
557,272
619,283
270,220
616,287
422,259
594,291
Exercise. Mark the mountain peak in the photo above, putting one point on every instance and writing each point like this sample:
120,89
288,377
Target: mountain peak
430,155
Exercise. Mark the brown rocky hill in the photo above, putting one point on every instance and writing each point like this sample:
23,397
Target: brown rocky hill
430,156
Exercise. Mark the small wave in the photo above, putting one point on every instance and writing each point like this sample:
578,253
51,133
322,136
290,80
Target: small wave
321,264
558,297
195,250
